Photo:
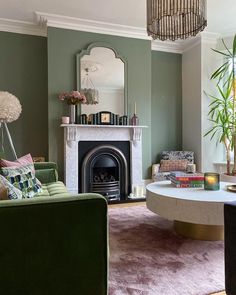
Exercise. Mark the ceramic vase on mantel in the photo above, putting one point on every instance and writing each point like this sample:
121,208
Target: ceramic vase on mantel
72,113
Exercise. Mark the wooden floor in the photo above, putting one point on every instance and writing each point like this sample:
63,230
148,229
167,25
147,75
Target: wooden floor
127,204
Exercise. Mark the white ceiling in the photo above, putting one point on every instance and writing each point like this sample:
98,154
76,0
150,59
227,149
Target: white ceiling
221,13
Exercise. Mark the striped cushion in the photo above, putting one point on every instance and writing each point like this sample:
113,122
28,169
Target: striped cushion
54,189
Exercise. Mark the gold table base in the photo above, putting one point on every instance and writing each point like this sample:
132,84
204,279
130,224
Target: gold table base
199,231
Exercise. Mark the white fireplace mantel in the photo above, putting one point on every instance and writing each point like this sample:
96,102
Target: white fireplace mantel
73,133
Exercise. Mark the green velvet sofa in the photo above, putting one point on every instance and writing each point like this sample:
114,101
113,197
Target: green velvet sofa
55,243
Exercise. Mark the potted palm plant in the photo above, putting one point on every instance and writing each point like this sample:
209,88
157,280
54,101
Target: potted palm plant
222,111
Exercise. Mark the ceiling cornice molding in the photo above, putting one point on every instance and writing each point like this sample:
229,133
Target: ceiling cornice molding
21,27
44,20
203,37
72,23
167,46
209,37
229,33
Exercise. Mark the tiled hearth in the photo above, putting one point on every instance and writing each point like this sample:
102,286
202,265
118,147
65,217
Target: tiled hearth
73,133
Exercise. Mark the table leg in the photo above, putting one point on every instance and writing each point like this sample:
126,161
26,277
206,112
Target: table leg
199,231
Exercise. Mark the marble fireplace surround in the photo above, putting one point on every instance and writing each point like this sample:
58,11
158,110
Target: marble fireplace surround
73,133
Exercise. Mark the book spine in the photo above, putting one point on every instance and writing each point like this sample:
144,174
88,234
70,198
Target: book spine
188,185
187,182
186,175
201,178
189,178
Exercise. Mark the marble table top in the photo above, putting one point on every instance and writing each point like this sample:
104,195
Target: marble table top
165,188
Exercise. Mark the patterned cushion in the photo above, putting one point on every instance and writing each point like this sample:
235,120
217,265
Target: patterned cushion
178,155
23,178
173,165
12,192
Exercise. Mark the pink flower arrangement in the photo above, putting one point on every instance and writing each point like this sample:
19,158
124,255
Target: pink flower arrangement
73,97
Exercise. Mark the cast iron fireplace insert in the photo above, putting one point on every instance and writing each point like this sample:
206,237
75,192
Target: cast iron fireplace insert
104,168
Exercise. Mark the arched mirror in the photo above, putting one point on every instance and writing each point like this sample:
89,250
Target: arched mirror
101,76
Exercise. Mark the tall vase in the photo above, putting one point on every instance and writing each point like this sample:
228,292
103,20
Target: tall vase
78,113
72,113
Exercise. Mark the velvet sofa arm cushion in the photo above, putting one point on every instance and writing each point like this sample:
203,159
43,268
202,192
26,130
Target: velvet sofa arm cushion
46,172
45,165
46,175
54,245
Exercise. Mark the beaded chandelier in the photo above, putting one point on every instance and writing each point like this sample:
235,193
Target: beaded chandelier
175,19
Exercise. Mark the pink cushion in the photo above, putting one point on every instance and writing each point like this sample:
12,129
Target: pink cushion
25,160
173,165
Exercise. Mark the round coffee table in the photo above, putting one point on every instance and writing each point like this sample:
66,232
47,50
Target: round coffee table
197,213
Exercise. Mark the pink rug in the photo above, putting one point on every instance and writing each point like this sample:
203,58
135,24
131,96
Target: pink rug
148,258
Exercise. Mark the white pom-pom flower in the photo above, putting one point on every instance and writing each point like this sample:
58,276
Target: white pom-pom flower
10,107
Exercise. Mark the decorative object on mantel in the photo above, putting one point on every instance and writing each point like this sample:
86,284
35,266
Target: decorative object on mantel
73,98
103,118
83,119
211,181
65,120
134,120
10,111
222,107
123,120
178,19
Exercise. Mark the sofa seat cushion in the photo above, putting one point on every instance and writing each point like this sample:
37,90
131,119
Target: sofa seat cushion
54,189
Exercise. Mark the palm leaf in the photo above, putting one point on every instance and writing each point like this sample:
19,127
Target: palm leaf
234,45
220,70
226,47
220,52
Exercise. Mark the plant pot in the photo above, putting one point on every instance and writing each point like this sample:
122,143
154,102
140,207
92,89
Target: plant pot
227,178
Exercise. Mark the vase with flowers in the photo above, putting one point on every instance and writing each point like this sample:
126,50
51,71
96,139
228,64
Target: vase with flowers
73,98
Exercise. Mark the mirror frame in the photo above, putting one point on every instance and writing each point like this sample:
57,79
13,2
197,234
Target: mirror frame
117,55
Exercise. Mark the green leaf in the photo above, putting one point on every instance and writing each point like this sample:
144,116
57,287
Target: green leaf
234,45
220,70
220,52
226,47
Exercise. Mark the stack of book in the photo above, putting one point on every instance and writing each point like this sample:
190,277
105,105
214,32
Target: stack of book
182,179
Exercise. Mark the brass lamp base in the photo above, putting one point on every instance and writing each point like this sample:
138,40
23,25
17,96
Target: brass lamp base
199,231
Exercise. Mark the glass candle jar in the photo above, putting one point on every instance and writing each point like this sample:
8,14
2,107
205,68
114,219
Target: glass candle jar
211,181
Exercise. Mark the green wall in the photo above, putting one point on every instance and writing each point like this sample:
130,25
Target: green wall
37,69
63,45
166,131
23,72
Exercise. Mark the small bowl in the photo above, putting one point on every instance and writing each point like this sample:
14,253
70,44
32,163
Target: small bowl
231,188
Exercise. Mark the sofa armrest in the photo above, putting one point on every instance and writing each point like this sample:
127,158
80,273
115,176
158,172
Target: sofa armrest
46,172
230,244
64,244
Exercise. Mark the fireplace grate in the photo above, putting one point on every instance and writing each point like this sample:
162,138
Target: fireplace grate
110,190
